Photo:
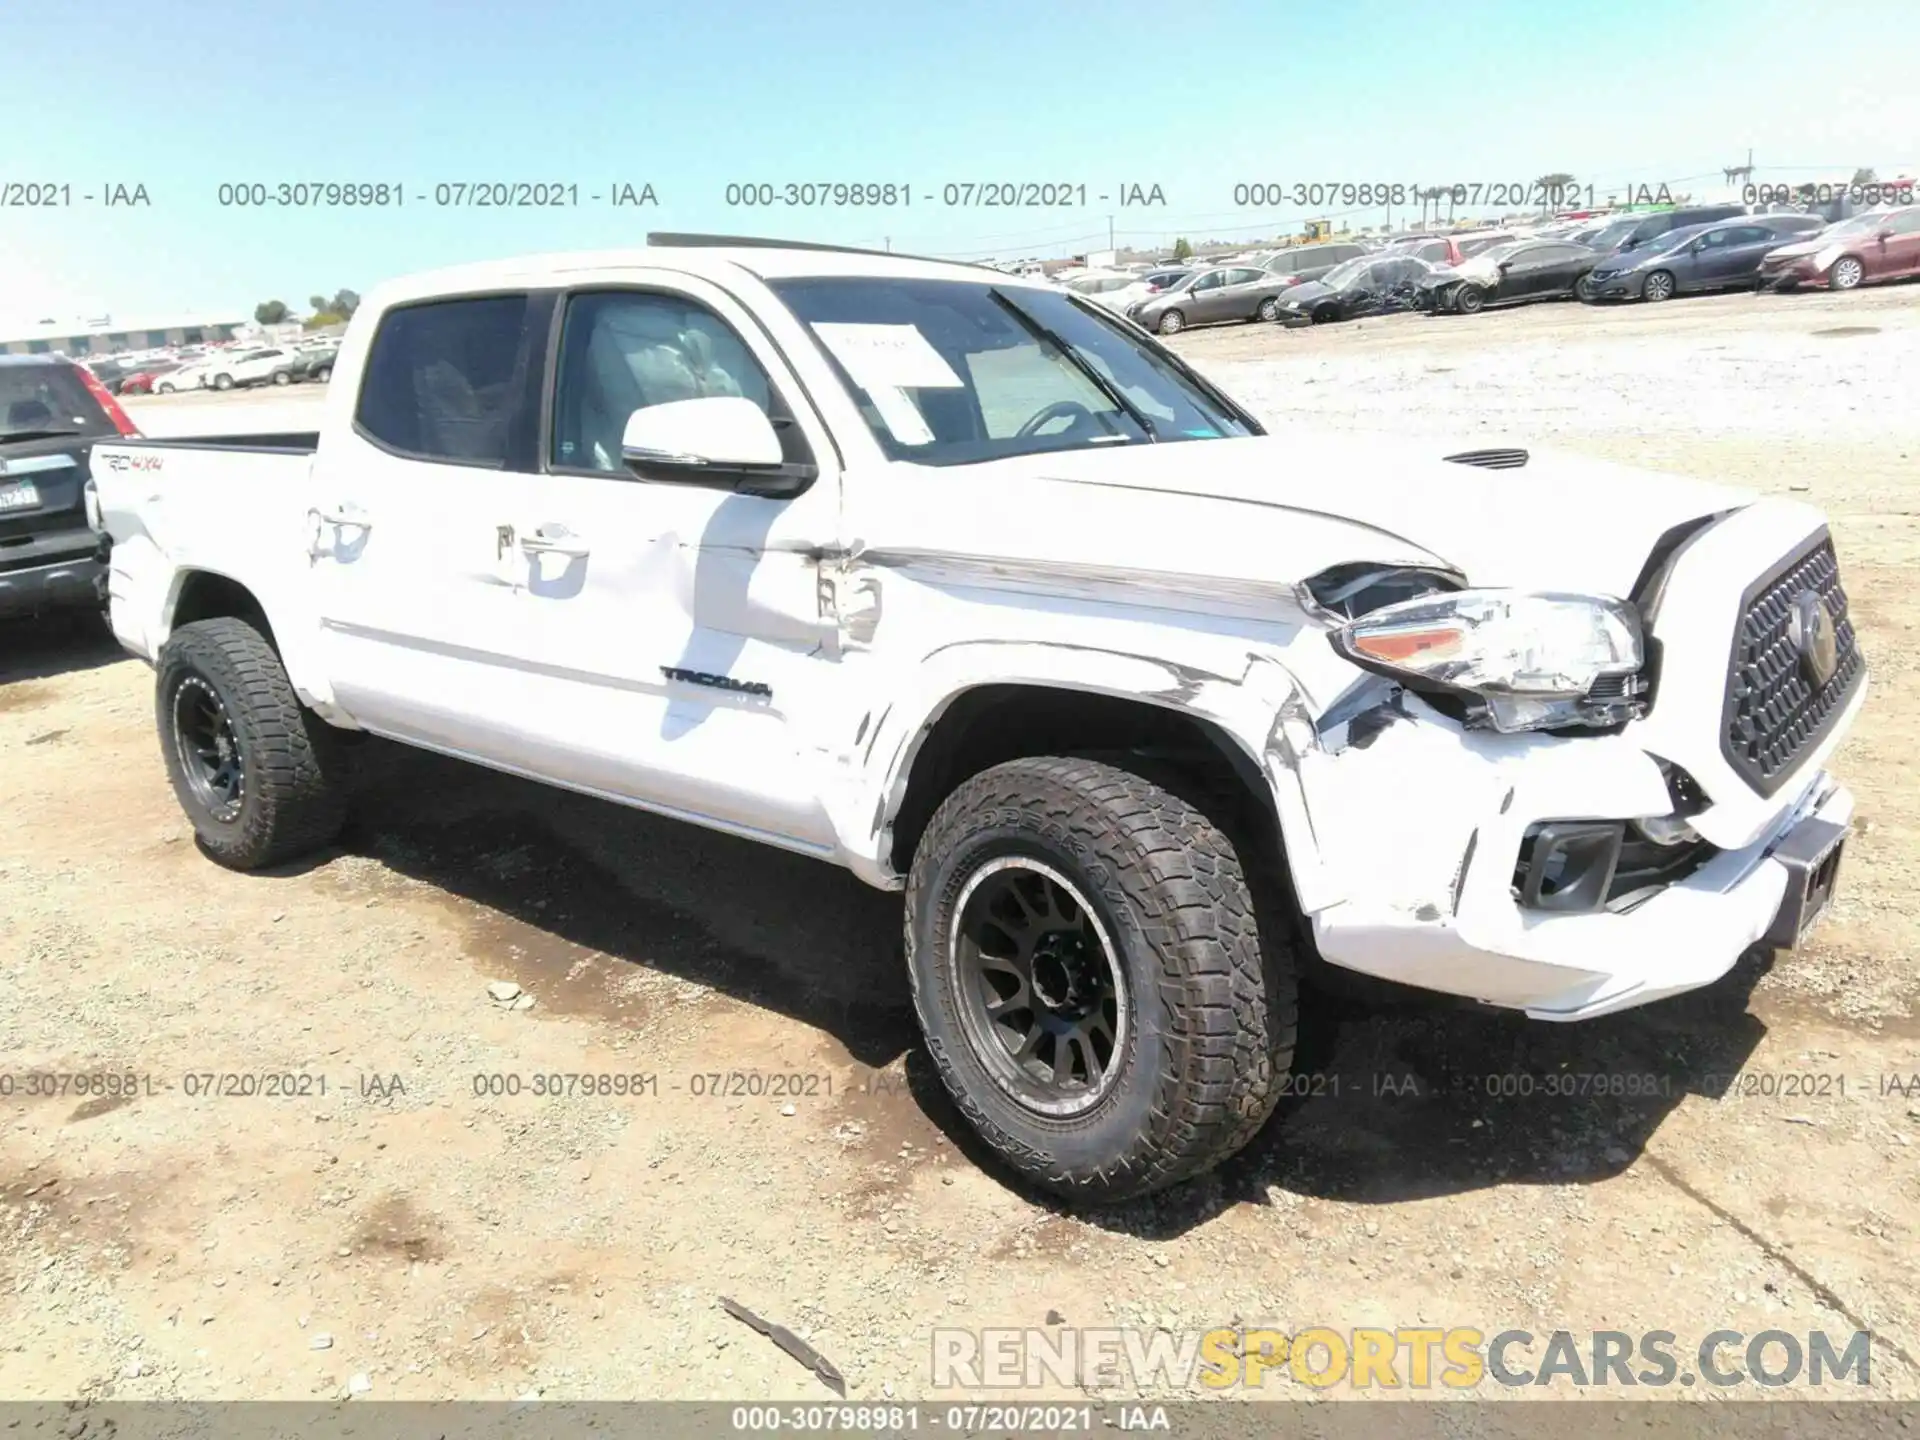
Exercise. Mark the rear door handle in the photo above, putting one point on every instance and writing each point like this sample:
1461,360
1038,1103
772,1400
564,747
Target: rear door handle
555,540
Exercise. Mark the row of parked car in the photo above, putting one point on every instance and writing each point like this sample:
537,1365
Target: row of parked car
231,369
1642,257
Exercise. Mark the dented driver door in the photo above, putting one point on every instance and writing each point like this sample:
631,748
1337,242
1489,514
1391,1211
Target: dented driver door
672,632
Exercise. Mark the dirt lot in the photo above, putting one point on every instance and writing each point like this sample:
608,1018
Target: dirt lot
401,1228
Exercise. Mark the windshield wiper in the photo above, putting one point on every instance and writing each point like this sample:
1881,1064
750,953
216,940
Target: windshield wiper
1046,336
11,435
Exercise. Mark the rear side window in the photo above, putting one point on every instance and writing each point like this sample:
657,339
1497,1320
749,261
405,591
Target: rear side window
39,397
445,380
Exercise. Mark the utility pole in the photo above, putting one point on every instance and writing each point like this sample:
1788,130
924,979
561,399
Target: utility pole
888,242
1110,232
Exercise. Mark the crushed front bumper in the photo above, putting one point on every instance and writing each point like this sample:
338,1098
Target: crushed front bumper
1577,966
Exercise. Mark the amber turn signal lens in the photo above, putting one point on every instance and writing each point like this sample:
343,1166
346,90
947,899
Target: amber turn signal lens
1394,647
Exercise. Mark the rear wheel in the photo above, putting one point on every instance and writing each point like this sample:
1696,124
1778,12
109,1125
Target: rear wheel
1847,273
1657,286
253,768
1092,981
322,373
1583,289
1269,308
1171,322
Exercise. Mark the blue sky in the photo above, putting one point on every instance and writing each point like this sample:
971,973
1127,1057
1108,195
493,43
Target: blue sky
181,96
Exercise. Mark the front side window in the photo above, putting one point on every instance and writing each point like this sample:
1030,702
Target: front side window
624,350
953,372
443,379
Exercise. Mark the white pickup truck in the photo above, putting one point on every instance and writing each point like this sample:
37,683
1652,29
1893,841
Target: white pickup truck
969,585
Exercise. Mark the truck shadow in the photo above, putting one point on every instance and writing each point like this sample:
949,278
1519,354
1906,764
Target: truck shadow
1392,1097
559,875
41,647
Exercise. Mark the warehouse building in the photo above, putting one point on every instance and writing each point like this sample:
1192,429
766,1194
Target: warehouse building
107,336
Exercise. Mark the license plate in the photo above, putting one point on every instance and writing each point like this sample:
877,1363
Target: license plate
1822,880
1811,852
19,495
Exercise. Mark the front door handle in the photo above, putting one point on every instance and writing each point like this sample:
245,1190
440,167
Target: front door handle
555,540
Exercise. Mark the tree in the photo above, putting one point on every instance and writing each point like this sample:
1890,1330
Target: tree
1182,250
1555,185
344,302
271,312
1864,176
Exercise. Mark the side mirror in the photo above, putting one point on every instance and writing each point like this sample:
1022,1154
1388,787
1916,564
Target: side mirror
723,442
1886,234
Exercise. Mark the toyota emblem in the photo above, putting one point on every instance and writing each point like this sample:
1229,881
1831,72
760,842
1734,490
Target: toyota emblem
1814,637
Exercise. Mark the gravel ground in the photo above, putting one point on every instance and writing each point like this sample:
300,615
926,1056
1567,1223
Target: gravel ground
402,1236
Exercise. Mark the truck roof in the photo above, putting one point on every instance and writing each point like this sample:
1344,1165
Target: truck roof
708,261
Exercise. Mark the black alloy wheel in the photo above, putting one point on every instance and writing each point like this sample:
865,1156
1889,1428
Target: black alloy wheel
1043,1001
208,749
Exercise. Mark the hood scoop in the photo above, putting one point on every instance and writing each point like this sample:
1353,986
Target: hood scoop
1490,459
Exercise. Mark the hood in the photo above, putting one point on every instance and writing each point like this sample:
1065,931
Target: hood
1797,249
1244,519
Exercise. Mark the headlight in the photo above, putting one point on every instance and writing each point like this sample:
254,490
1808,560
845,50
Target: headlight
1533,660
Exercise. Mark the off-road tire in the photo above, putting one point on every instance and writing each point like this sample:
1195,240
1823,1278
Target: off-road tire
1213,1000
294,797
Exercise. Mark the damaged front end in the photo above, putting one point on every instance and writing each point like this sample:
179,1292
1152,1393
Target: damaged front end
1507,660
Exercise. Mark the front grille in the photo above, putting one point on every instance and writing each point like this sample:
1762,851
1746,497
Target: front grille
1778,706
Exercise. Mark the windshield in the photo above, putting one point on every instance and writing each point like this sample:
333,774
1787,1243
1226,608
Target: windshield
1859,225
1494,254
1345,272
953,372
1611,235
47,399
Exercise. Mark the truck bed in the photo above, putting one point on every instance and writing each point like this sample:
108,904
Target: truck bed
275,442
232,505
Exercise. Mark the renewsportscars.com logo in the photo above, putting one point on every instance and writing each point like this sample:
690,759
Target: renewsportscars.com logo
1417,1358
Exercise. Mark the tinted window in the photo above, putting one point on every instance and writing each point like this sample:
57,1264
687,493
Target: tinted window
623,350
1212,280
1245,277
1551,254
48,397
443,379
950,372
1904,222
1748,235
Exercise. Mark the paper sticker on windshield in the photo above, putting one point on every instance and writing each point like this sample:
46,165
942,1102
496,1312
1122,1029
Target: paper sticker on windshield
883,355
901,415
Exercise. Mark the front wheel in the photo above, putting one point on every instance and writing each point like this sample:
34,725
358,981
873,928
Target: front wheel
1846,274
252,767
282,377
1269,309
223,382
1583,289
1657,286
1470,300
1093,985
1171,323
